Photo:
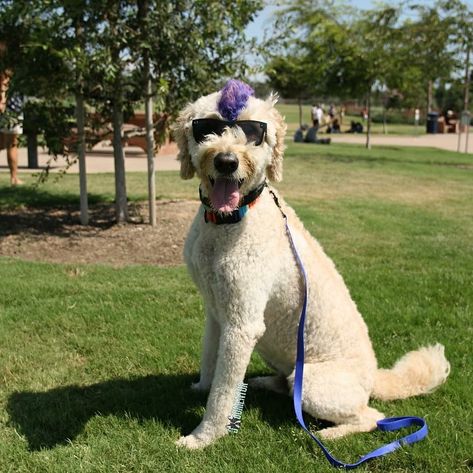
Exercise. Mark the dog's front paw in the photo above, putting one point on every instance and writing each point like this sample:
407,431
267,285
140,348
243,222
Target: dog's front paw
193,442
203,435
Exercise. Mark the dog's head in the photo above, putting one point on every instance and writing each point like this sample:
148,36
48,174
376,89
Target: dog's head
233,141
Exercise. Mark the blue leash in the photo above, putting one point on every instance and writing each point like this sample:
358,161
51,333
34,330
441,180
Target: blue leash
388,424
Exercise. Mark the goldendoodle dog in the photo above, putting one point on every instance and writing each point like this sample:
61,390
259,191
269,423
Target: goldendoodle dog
240,258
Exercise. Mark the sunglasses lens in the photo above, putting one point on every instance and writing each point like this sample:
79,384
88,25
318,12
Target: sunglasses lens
254,131
202,128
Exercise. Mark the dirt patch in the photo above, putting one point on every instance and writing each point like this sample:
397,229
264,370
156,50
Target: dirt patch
55,235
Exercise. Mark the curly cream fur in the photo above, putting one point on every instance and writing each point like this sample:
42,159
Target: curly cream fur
251,286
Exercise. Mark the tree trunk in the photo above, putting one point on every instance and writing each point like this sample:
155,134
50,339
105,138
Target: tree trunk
150,144
299,102
385,127
466,98
143,9
121,206
80,118
429,96
368,122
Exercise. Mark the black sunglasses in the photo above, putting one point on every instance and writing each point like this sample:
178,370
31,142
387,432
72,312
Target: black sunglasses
253,130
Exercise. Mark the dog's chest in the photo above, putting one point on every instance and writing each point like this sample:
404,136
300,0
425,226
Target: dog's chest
230,259
212,253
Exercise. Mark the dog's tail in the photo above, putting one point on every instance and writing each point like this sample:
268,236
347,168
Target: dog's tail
417,372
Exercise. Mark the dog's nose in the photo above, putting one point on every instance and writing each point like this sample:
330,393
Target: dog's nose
226,163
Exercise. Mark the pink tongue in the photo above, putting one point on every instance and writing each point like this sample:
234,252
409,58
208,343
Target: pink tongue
225,195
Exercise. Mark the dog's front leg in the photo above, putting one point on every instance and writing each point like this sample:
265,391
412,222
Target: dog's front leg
209,352
235,347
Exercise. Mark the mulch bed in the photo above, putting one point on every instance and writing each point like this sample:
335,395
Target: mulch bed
55,234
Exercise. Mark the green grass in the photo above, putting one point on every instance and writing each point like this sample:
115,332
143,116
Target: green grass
96,362
100,188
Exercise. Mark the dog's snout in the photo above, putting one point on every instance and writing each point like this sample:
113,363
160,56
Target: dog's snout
226,163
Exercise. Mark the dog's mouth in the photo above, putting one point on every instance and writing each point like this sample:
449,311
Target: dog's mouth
225,194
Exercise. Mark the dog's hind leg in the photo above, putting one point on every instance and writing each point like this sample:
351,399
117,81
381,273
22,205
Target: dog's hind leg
336,392
277,383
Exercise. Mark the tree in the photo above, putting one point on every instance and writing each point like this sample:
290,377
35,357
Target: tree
376,35
427,53
143,12
463,28
288,75
27,27
342,53
188,47
183,49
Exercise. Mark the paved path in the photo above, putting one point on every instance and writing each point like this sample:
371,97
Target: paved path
447,141
100,159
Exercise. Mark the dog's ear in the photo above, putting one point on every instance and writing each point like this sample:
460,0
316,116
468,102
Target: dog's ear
179,132
274,170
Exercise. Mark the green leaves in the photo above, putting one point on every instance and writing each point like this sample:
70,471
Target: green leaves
97,47
344,52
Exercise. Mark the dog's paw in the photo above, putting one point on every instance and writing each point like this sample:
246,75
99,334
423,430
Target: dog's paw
331,433
200,387
193,442
203,435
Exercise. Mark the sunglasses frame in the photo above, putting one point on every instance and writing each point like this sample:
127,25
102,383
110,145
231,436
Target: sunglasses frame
224,123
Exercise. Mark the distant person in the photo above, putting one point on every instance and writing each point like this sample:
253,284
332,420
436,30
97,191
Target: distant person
342,114
331,112
313,113
10,121
311,137
319,112
355,127
334,127
449,116
299,134
416,116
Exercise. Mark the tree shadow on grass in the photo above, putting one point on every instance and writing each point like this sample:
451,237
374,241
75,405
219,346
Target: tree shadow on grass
59,221
51,418
35,211
32,196
31,210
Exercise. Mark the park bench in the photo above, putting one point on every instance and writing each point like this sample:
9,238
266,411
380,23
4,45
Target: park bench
133,134
449,126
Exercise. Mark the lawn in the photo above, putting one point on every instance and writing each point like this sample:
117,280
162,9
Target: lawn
96,362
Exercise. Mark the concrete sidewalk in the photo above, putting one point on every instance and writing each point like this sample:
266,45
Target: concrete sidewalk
100,159
447,141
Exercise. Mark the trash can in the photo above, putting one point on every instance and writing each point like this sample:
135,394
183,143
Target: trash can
432,122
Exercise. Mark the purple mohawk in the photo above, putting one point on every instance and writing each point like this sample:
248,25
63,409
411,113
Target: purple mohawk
234,96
